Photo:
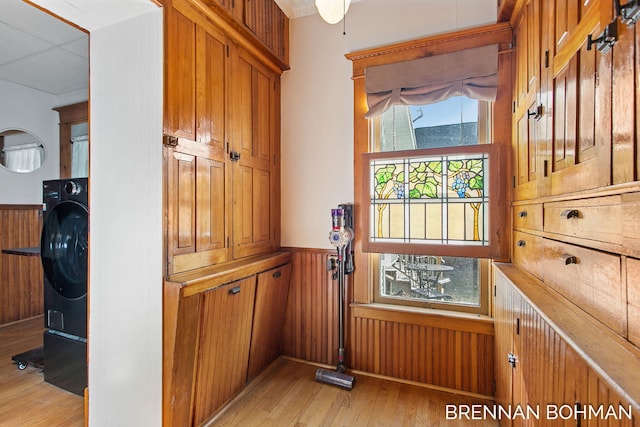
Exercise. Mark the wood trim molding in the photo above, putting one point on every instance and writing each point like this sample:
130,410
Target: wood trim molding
441,319
198,281
20,207
500,33
308,250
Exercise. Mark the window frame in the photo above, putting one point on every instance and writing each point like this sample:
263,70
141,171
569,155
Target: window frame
361,289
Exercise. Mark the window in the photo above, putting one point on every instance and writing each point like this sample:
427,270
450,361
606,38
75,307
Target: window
417,77
428,200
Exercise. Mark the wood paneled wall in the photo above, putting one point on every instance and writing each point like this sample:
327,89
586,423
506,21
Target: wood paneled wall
21,277
444,351
311,328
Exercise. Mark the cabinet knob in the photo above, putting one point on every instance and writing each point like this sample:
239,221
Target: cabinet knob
570,213
235,156
521,243
234,290
569,259
277,274
522,214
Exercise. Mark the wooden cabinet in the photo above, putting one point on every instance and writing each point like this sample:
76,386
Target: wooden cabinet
559,357
562,96
225,335
222,146
73,123
268,318
221,327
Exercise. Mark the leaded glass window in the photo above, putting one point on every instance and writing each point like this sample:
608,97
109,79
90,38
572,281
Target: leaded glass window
440,199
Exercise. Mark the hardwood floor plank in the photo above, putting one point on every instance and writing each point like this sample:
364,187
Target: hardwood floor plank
25,399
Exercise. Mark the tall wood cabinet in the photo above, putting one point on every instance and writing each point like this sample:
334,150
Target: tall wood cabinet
223,61
222,146
575,183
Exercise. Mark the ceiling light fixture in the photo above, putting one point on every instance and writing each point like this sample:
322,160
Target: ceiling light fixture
332,11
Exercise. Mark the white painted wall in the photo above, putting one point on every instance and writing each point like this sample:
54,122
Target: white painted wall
29,110
125,220
125,215
317,101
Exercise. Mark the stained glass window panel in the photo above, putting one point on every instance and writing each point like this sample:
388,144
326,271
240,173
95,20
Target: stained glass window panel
440,199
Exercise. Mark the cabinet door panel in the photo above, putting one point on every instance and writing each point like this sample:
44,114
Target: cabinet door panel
268,322
180,80
243,108
581,142
181,202
252,216
211,93
211,229
223,353
263,111
197,206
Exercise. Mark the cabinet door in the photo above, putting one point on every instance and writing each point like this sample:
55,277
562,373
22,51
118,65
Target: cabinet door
527,153
581,144
268,319
196,211
180,76
254,172
529,130
527,34
223,353
504,331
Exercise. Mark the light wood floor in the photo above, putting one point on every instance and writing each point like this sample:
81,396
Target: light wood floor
286,395
25,399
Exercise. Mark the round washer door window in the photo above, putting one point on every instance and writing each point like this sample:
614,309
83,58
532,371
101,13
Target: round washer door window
63,249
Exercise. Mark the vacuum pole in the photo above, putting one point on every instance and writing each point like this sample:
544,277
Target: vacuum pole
340,237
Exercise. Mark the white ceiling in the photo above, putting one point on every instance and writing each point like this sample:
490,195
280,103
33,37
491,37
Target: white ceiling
41,52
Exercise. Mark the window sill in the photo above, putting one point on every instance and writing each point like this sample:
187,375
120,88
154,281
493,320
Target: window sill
443,319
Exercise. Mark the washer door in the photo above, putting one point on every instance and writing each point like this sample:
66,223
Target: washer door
63,249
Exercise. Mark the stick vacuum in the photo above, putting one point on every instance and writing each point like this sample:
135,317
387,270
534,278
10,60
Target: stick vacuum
340,236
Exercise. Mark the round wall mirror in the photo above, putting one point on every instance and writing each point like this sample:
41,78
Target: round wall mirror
20,151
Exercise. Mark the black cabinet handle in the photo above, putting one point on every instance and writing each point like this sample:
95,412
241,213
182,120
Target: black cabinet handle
277,274
521,243
522,214
234,290
570,213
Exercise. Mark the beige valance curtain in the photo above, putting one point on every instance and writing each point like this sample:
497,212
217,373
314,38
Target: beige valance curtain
470,72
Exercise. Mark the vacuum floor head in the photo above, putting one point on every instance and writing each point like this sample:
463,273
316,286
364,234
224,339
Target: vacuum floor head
335,378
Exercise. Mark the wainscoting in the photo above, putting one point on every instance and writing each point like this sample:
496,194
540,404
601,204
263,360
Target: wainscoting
435,348
21,277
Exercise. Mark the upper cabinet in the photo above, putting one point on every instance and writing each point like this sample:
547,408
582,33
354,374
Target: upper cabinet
222,109
562,125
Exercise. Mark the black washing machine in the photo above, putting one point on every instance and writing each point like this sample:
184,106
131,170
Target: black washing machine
63,250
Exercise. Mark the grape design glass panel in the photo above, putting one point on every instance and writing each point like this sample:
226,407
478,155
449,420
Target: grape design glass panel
430,200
